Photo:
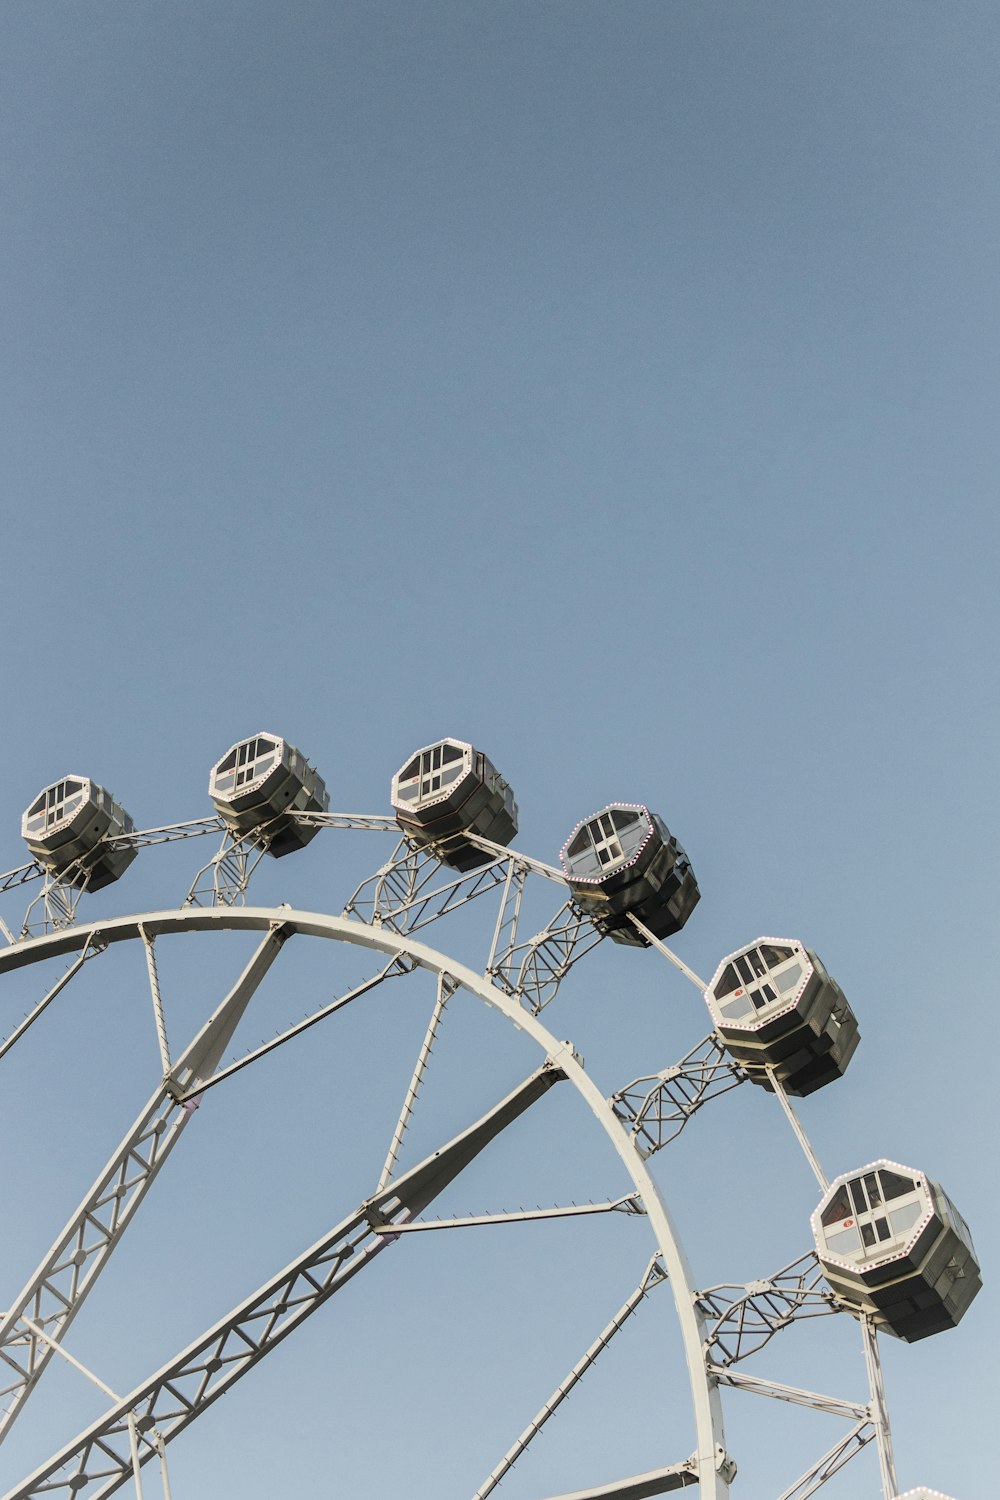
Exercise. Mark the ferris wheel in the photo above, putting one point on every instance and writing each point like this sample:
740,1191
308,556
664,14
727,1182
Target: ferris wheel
889,1253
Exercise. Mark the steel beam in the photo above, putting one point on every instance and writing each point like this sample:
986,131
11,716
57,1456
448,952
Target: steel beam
103,1457
55,1293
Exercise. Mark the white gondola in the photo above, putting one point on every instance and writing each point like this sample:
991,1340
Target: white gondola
259,785
445,792
893,1246
624,862
67,829
773,1003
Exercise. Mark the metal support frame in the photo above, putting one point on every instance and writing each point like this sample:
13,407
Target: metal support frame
879,1411
197,1090
640,1486
224,880
831,1463
59,899
521,976
445,989
533,970
653,1275
795,1395
401,895
56,1291
629,1204
55,905
781,1094
153,1437
657,1108
90,949
714,1473
102,1458
742,1319
833,1460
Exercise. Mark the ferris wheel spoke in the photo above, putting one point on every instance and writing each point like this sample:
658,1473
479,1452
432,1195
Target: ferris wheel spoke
641,1486
630,1204
653,1276
832,1461
56,1291
103,1457
446,987
149,947
392,969
91,948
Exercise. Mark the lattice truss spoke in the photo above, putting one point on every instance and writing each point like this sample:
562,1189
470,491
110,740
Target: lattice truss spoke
47,1304
40,1315
104,1456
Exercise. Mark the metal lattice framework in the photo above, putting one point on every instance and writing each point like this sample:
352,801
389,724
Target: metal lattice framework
520,975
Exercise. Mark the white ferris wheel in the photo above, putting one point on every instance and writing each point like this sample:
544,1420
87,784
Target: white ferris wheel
886,1251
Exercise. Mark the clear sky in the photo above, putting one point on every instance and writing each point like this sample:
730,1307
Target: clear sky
614,386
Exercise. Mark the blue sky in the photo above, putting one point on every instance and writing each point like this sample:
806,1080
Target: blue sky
614,386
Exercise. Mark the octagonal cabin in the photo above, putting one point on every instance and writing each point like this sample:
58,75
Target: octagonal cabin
260,784
623,862
893,1245
445,792
68,828
773,1003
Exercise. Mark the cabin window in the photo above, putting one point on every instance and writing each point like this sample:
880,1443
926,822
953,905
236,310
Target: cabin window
246,763
606,840
57,802
756,978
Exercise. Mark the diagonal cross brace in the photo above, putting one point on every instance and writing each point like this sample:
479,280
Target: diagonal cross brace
100,1459
55,1293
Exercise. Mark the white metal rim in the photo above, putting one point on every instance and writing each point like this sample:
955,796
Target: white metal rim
707,1406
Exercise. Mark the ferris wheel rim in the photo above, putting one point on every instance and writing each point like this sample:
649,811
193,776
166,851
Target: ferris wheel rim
709,1458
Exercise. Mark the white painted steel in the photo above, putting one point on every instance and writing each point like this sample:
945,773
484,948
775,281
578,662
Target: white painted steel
640,1486
67,1273
708,1460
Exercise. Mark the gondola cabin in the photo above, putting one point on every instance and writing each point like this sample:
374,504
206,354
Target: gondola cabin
624,862
893,1245
773,1003
448,790
260,784
68,829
